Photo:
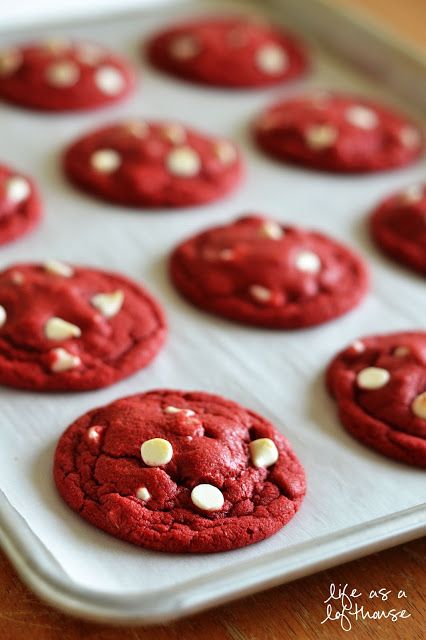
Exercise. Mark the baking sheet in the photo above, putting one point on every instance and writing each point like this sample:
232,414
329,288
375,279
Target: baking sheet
278,374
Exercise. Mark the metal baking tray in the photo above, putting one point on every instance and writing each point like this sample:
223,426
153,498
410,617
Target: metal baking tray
357,501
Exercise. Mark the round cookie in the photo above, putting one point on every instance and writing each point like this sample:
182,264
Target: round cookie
179,471
379,383
60,75
235,53
20,205
338,133
259,272
66,328
398,227
153,164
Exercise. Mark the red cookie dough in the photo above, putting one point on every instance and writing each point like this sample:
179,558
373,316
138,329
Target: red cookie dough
59,75
155,164
228,52
20,205
66,328
338,133
398,226
379,383
259,272
179,471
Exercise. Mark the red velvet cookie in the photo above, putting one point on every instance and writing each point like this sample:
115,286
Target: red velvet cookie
398,226
338,133
156,164
66,328
260,272
179,471
59,75
228,52
20,205
379,383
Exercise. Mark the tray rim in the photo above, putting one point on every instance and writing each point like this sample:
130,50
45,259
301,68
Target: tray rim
45,577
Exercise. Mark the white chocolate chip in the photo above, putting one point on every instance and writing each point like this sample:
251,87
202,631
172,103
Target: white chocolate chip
226,254
207,497
418,406
62,74
58,268
143,494
320,136
64,360
56,45
183,162
10,61
226,152
109,80
362,117
263,452
372,378
414,193
156,452
90,54
17,277
184,47
3,315
308,262
174,133
212,255
269,121
109,304
137,128
271,59
358,346
259,293
17,189
272,230
93,433
409,137
401,352
172,410
105,160
59,329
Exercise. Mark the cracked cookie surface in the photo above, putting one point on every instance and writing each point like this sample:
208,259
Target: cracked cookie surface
261,272
379,383
72,328
179,471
